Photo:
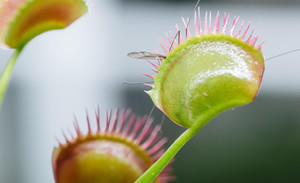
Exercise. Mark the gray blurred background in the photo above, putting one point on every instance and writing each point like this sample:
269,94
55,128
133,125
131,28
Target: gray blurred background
62,73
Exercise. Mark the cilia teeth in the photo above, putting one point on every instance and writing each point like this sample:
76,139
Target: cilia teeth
209,29
124,141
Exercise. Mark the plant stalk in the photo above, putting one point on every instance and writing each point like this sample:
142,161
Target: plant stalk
162,162
6,74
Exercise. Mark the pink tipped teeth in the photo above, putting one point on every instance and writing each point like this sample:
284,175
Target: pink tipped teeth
248,40
175,43
170,41
97,114
187,29
240,29
209,28
158,147
195,23
205,23
151,138
129,125
88,124
162,46
70,133
145,131
139,123
199,21
246,30
108,115
225,23
66,138
138,130
150,76
259,46
156,71
179,34
158,155
217,24
114,119
253,41
123,117
165,43
235,21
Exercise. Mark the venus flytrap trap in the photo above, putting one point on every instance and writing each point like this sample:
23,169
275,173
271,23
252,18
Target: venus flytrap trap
117,152
202,76
22,20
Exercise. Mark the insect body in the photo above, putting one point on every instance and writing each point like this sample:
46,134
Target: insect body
146,55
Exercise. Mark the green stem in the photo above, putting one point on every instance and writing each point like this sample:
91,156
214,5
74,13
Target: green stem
6,75
162,162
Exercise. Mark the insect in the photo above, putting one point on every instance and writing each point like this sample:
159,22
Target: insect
146,55
157,56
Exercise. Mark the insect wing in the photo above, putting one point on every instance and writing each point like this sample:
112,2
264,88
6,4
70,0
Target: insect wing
146,55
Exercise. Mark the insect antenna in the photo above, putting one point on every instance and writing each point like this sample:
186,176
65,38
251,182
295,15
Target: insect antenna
188,21
148,118
186,28
281,54
135,83
162,121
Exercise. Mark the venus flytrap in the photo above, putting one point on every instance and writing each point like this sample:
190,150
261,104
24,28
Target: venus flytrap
22,20
202,76
117,152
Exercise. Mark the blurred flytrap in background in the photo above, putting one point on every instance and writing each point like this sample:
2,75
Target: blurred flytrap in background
22,20
118,151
